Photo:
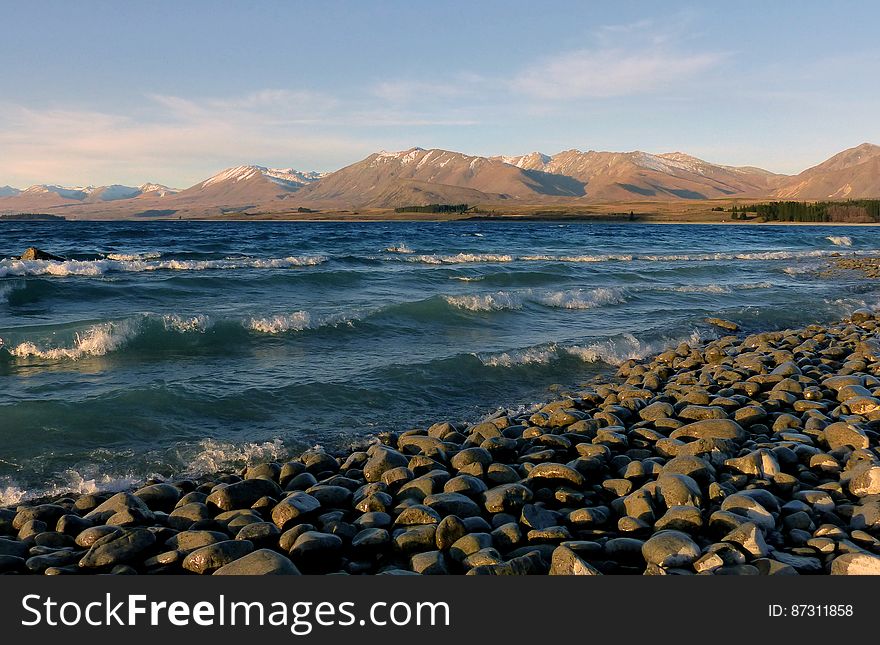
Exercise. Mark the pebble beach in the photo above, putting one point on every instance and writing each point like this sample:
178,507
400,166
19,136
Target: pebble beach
747,455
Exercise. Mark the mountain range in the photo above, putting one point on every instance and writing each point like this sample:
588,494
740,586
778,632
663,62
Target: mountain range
417,176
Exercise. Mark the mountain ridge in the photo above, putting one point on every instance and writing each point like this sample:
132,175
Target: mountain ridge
418,176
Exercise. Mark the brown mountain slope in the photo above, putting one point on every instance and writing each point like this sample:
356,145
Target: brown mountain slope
389,179
851,174
242,186
630,175
417,176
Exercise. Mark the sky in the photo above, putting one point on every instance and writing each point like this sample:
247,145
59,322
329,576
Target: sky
96,92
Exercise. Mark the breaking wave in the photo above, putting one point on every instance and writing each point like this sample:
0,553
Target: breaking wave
579,298
619,349
134,257
840,240
97,340
564,299
461,258
205,457
464,258
297,321
486,302
612,351
530,356
93,268
399,248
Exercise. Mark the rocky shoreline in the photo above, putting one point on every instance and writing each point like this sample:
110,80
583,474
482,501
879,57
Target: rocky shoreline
751,455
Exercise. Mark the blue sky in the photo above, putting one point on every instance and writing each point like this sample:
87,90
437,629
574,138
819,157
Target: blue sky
113,92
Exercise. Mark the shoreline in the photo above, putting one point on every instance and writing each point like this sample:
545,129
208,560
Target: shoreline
741,455
454,220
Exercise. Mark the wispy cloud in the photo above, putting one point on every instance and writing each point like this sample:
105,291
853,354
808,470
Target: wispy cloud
181,139
609,73
176,141
618,60
621,60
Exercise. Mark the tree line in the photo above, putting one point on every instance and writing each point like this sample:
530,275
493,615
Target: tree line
856,211
433,208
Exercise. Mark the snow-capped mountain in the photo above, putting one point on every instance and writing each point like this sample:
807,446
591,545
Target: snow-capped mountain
287,177
245,186
156,190
422,176
395,178
633,175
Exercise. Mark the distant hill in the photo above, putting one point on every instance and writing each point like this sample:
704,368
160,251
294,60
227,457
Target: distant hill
851,174
610,176
243,186
418,176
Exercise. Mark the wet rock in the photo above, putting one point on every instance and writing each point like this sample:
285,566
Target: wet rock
381,460
845,434
33,253
13,548
159,497
118,548
452,504
294,508
243,494
449,530
856,564
371,540
865,482
263,562
670,549
429,563
549,473
566,562
750,538
208,559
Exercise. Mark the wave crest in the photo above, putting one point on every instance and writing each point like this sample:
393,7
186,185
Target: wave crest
579,298
840,240
461,258
297,321
97,340
133,257
96,268
399,248
540,355
486,302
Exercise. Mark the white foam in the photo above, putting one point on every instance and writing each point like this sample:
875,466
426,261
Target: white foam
565,299
210,456
297,321
400,248
133,257
214,455
577,258
461,258
613,351
697,288
532,356
97,340
72,482
464,278
616,351
840,240
184,324
94,268
486,302
579,298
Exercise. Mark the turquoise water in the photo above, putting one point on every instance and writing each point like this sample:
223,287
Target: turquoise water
182,347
